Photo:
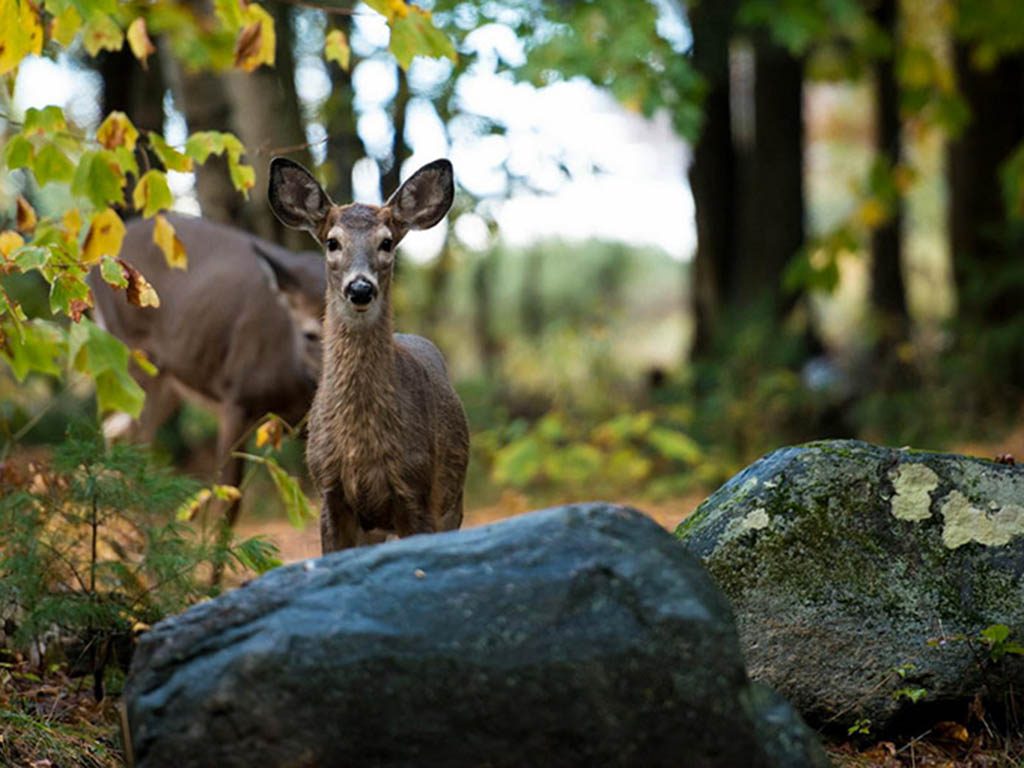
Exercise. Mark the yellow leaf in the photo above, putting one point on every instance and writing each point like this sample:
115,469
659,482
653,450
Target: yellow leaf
138,40
117,131
106,231
270,432
65,26
102,33
22,35
256,42
191,506
871,213
226,492
145,364
336,49
72,221
25,216
10,241
167,241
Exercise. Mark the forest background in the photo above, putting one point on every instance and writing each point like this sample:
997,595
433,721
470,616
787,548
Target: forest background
829,244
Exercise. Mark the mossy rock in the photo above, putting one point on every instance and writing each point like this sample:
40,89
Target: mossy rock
862,577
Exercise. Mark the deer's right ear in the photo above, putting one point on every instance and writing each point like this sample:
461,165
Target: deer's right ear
295,197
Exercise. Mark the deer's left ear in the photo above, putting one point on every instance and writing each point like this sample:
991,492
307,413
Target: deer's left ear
424,198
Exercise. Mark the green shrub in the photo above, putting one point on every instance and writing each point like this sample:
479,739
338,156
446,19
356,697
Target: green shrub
97,546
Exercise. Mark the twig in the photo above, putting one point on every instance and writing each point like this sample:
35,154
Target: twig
264,152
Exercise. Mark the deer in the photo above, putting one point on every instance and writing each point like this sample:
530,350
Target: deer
388,441
238,331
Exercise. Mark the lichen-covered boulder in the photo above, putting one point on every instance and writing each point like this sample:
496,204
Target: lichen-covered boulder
862,576
576,636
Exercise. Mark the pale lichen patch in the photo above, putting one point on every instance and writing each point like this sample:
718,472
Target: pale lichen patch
753,521
756,520
965,523
912,487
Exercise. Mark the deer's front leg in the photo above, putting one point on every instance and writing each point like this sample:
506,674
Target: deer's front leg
339,527
415,516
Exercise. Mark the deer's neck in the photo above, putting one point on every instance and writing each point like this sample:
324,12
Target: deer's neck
359,365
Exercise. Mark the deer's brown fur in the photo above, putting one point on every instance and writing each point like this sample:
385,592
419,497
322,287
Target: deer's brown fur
238,331
388,440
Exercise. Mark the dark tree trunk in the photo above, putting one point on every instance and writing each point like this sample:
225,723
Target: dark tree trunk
712,172
267,117
483,324
984,246
888,293
128,88
343,145
203,100
531,300
776,188
391,177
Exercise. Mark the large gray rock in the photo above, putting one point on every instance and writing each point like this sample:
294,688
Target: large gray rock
861,576
576,636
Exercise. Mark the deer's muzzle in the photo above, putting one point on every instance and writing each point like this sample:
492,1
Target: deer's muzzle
360,292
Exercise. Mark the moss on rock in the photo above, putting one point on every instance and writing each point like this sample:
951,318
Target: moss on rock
846,561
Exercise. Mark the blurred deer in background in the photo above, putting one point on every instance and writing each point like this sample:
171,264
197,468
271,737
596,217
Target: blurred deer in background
388,440
238,331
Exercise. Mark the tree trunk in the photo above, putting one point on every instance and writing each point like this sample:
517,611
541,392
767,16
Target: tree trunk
339,115
982,243
267,117
888,294
203,100
483,324
772,196
712,172
128,88
392,175
139,93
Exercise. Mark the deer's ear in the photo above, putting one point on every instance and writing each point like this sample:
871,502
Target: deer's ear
296,198
425,197
276,267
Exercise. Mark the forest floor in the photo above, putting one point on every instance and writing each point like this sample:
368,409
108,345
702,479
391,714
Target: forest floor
52,721
299,544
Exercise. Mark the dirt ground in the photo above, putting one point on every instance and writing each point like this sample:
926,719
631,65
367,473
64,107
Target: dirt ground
295,544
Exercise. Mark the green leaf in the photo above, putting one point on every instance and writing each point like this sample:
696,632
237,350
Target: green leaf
152,194
518,463
296,504
31,257
68,287
98,179
415,35
93,351
675,445
996,633
51,164
39,348
200,145
256,554
243,177
18,152
45,121
172,159
113,273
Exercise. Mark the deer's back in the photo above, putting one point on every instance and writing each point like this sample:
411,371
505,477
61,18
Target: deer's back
220,329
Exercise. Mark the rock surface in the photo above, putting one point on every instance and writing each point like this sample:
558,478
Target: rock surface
861,576
575,636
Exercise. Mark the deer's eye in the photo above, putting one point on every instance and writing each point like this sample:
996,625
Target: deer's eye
387,245
333,244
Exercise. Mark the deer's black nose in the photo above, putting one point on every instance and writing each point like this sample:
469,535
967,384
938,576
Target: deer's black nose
360,292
